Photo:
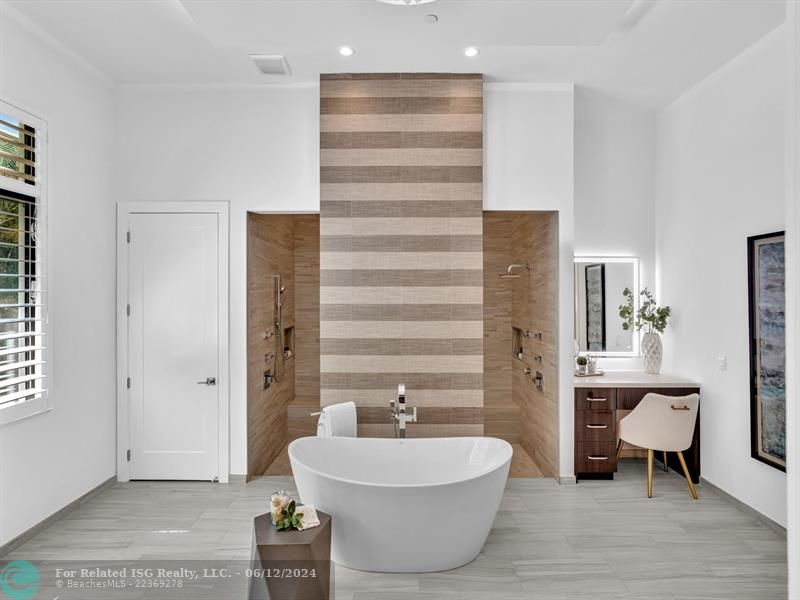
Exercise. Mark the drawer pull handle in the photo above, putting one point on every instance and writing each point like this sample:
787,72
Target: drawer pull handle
681,407
597,399
597,457
597,427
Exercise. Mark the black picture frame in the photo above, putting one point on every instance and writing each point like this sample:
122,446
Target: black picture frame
775,373
592,315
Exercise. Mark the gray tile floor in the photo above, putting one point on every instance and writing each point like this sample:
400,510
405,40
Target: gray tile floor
592,541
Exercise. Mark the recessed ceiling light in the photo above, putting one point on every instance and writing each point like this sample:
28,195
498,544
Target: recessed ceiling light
471,52
346,51
405,2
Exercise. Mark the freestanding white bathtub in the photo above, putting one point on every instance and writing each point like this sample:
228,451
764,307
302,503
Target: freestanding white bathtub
403,506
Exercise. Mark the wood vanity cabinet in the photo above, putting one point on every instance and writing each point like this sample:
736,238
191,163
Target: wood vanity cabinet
596,429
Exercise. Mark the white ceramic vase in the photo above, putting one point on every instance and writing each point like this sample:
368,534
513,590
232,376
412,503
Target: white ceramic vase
652,353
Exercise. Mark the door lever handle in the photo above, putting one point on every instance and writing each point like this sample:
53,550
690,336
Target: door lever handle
208,381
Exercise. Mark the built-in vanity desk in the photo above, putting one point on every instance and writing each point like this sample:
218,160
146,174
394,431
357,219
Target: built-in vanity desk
599,399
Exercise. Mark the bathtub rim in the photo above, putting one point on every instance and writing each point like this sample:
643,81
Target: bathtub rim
483,473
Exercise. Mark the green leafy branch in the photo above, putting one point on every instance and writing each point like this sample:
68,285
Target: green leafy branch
291,519
649,317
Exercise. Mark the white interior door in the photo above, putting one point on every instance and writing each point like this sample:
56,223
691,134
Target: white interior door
174,346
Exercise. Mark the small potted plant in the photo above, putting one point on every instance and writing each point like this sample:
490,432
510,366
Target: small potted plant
653,319
581,361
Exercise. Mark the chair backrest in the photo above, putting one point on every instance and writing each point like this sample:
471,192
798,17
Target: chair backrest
662,422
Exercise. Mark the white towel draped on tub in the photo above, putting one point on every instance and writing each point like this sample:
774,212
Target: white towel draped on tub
338,420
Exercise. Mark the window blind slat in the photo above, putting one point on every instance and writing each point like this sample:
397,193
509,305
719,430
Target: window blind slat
7,383
29,393
15,336
6,138
20,350
15,366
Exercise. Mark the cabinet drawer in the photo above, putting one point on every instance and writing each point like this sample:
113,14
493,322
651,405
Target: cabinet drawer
595,398
595,457
595,426
628,398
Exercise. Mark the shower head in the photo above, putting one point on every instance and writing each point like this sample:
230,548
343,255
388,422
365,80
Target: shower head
283,289
510,273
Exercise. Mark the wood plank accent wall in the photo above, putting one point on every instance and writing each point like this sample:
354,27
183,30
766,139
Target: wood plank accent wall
306,309
289,245
501,411
270,250
534,240
401,258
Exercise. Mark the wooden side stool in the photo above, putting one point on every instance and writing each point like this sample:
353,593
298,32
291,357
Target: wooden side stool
295,565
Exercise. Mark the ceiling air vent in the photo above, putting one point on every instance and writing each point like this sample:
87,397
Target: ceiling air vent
272,64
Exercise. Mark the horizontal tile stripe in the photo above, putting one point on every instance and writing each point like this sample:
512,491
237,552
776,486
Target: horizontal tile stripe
394,210
400,364
391,174
430,192
401,329
415,397
401,260
412,381
417,295
421,430
441,157
402,347
428,415
417,105
402,243
395,88
401,312
400,139
394,225
396,277
401,122
415,76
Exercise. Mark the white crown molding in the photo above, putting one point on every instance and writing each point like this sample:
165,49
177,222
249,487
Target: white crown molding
529,86
9,12
216,86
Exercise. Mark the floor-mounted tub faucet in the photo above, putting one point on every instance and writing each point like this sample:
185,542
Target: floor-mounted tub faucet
399,413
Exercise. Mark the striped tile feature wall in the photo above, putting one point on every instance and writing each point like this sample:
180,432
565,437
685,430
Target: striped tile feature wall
401,248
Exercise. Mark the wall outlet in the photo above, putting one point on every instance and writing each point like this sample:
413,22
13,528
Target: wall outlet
723,363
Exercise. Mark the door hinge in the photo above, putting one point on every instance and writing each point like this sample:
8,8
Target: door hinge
128,383
129,456
128,236
128,309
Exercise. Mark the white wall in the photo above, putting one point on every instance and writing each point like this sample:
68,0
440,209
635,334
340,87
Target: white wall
528,165
256,147
793,291
720,167
49,460
614,187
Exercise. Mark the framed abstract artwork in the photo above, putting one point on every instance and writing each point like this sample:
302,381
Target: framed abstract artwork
766,290
596,307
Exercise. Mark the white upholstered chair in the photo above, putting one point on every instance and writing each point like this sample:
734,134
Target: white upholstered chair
664,423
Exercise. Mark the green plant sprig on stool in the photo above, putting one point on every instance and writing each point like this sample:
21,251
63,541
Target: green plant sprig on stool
291,520
650,317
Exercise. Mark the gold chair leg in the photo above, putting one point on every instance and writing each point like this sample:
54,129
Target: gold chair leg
688,477
619,448
666,467
649,473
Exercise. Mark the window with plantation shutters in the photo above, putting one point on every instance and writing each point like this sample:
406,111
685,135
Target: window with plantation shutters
22,316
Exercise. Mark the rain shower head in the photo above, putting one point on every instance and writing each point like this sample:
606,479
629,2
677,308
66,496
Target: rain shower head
510,273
